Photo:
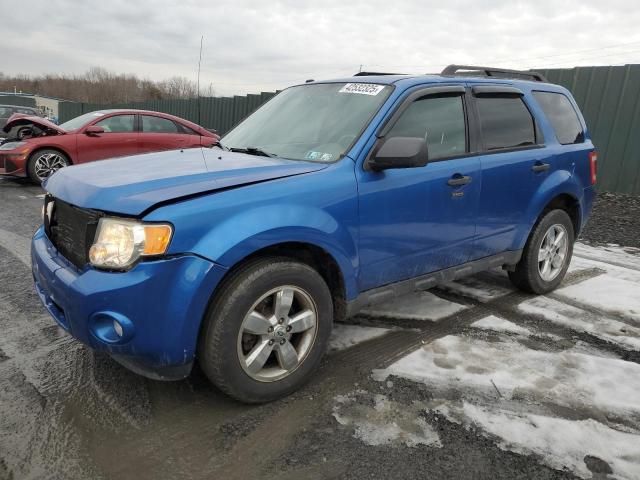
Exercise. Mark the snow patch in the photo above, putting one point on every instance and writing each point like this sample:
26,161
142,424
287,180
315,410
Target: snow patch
610,253
346,336
613,331
560,442
498,324
384,423
607,293
518,394
415,306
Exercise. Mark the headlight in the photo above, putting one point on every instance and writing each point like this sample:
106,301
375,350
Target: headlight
120,243
12,145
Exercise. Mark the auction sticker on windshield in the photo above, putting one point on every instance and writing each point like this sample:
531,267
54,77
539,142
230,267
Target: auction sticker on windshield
362,88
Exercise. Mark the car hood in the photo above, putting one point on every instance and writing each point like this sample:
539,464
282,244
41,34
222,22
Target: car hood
133,185
21,119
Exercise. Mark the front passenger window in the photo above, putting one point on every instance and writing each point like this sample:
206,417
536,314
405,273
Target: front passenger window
439,120
117,124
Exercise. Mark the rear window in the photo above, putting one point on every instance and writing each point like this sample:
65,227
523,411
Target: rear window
562,116
152,124
505,122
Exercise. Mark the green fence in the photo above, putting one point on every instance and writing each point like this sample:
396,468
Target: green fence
608,96
18,100
220,113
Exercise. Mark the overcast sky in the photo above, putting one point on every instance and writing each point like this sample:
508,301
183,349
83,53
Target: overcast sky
263,45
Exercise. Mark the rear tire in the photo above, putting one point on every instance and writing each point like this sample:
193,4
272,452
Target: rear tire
547,254
266,330
44,163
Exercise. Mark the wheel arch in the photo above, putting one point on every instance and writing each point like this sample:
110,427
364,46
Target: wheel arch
560,190
57,148
317,257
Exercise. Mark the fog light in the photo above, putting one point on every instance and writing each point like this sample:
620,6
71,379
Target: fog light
118,328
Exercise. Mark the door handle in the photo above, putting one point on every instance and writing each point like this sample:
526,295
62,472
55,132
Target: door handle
458,180
540,167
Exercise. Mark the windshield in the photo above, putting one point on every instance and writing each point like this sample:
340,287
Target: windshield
316,122
80,121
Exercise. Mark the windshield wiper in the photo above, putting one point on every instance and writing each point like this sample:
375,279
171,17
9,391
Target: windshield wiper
219,145
252,151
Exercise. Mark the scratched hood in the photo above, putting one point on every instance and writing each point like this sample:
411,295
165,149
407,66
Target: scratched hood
132,185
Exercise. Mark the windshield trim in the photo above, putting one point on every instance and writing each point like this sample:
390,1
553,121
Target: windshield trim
367,123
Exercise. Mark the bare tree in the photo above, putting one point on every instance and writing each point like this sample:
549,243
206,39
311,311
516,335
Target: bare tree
98,85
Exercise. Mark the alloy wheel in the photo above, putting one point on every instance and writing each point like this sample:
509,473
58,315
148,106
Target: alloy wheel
47,164
277,333
553,252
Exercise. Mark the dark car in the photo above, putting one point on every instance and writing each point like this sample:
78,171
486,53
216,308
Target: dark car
332,196
6,111
94,136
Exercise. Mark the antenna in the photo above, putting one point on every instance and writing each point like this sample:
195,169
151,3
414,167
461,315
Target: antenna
199,63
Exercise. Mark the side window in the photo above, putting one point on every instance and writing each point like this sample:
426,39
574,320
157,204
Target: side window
117,124
505,122
562,116
439,120
152,124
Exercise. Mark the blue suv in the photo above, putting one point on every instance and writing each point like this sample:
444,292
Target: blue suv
332,196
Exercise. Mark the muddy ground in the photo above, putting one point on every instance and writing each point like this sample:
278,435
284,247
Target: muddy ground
66,412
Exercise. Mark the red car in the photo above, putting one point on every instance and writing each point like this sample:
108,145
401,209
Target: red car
48,147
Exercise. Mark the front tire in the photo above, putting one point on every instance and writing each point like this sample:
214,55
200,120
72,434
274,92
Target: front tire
44,163
266,330
546,255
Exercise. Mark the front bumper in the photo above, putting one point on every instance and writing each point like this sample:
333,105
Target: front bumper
13,164
159,306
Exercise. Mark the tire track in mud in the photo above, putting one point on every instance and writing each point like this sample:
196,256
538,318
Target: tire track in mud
46,380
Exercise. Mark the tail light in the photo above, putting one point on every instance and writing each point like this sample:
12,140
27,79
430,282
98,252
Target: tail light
593,166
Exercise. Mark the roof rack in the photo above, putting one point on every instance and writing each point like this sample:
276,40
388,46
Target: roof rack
371,74
493,72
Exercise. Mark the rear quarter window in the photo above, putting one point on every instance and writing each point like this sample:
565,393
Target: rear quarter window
562,116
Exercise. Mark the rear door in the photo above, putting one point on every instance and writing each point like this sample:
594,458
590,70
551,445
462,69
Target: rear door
120,138
159,133
514,164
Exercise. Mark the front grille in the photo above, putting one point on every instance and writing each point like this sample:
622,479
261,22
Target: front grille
70,229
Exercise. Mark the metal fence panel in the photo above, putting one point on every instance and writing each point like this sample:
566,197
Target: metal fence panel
18,100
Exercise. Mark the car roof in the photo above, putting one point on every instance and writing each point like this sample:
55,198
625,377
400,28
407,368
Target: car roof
109,111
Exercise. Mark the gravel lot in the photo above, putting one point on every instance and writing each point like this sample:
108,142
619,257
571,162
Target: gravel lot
470,380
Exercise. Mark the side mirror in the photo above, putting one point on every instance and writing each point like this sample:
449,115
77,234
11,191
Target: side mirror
399,152
93,130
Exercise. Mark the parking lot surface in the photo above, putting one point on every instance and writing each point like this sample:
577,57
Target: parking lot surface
469,380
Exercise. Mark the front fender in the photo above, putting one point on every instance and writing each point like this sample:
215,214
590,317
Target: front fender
558,183
237,237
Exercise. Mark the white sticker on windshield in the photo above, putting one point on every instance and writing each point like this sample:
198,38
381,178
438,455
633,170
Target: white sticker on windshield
362,88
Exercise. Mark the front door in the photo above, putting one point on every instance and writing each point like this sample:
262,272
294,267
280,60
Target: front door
119,139
415,221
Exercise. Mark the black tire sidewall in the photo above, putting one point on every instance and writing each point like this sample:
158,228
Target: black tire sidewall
218,355
32,160
529,273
